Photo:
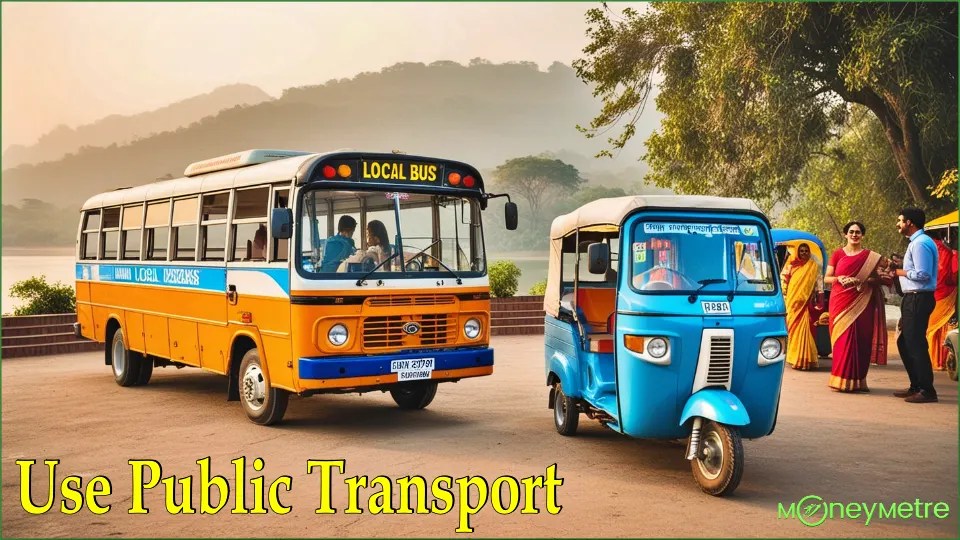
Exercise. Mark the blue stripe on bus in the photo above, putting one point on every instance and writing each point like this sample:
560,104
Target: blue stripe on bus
201,278
340,367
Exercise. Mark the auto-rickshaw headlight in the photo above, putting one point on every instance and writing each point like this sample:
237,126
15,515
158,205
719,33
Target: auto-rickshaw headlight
657,347
771,348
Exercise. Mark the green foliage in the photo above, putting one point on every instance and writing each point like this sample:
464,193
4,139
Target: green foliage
855,179
539,288
503,278
42,298
947,187
752,90
539,180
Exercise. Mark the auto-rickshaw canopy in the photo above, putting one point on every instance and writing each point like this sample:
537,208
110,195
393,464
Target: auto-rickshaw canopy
792,239
601,217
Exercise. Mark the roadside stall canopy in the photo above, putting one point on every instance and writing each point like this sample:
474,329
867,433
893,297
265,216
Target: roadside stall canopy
603,216
948,222
943,221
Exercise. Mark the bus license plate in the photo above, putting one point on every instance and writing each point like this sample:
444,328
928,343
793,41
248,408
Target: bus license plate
716,308
412,369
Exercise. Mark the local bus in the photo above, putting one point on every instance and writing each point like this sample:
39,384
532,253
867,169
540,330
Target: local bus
293,273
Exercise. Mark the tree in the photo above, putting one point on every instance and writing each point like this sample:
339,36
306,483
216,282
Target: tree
751,91
854,179
537,179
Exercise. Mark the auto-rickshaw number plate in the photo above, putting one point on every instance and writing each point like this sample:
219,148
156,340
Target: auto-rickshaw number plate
412,369
716,308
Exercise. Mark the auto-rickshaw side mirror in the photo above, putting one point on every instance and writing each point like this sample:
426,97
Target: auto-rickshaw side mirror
510,215
599,255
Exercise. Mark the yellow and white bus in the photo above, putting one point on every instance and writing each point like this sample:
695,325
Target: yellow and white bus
293,272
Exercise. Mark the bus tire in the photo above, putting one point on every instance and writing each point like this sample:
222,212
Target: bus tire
414,397
263,404
125,364
146,370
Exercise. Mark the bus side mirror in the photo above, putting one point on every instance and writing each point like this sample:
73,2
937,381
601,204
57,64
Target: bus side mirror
281,223
599,255
510,215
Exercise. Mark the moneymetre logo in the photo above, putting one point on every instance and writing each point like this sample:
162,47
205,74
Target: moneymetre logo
812,511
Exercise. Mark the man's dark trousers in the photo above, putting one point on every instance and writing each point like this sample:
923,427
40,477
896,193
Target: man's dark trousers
915,316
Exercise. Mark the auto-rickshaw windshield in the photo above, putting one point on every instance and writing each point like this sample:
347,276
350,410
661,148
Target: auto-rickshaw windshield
690,257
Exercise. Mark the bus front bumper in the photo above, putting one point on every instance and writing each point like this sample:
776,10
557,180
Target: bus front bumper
360,371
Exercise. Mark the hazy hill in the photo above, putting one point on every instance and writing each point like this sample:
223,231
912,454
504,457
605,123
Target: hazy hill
118,129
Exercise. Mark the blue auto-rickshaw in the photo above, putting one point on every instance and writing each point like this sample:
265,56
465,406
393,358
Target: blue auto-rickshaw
664,320
787,242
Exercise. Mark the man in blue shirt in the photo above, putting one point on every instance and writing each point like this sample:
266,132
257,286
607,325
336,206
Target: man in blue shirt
918,280
340,246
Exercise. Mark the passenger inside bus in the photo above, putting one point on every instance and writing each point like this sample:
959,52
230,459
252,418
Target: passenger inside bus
258,249
340,246
378,251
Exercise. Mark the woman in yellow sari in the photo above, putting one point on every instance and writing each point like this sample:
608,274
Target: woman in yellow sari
799,280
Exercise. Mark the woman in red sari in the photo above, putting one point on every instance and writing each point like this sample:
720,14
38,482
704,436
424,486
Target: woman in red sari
858,328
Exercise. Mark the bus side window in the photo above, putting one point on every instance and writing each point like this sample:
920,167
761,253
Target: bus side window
91,232
213,226
185,229
110,234
281,246
249,227
157,225
131,232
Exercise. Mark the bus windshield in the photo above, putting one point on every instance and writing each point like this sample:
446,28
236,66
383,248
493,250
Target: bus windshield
349,233
687,257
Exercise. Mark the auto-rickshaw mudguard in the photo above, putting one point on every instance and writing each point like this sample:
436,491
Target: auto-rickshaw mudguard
562,356
717,405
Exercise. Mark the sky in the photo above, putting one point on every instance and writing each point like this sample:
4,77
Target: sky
75,63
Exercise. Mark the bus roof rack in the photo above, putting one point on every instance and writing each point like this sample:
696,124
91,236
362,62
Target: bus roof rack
239,159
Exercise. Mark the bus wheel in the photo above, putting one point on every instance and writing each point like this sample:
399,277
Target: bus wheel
414,397
146,370
126,364
264,405
566,416
718,466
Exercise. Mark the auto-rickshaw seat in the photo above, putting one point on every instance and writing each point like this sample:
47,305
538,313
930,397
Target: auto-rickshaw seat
600,343
597,304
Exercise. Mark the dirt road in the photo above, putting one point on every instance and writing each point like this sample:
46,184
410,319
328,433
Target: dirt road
843,448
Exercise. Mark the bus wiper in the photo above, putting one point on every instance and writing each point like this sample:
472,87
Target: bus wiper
375,268
703,283
423,252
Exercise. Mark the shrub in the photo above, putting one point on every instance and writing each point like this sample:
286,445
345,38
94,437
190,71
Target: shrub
503,278
539,288
42,298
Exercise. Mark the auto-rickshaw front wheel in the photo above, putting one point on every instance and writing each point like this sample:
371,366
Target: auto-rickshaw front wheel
718,465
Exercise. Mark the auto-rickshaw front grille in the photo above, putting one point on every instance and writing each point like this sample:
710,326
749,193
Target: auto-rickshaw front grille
387,332
721,360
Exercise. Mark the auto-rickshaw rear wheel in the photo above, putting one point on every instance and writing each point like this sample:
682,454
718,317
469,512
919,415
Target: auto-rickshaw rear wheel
951,363
566,415
718,466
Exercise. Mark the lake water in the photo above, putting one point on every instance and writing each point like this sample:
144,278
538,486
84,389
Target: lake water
58,265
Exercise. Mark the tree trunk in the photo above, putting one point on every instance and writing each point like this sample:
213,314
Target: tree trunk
904,139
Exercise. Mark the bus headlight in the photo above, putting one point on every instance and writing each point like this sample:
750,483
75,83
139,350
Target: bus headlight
338,335
657,347
471,328
770,349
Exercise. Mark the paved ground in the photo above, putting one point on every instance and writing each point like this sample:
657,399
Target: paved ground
844,448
